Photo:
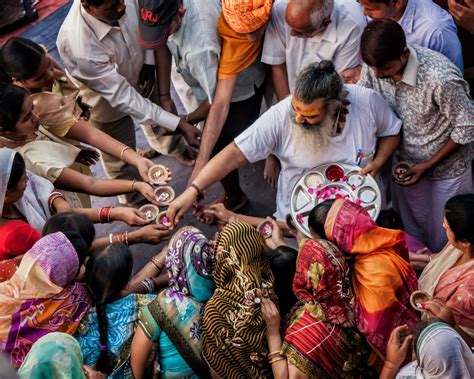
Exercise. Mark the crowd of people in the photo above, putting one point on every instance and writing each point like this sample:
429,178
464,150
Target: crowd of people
377,84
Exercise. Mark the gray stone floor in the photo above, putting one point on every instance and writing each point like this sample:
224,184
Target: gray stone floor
261,199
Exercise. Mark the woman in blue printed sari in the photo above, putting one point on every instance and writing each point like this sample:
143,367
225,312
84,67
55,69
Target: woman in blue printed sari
173,320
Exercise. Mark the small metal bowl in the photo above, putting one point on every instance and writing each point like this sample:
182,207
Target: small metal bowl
417,300
266,229
158,174
399,169
162,219
150,211
164,195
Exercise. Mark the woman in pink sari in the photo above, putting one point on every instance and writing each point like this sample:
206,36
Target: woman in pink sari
449,277
382,278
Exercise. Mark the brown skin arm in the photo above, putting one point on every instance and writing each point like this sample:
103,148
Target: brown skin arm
280,81
82,131
200,113
385,148
214,123
141,349
218,167
100,187
414,174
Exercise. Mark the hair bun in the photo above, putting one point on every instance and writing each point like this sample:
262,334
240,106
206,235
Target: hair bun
326,66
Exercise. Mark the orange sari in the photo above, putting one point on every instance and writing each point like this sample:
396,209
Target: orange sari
237,52
382,278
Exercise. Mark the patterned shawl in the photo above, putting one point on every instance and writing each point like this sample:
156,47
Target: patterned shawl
41,297
320,338
178,309
381,278
34,203
234,342
56,355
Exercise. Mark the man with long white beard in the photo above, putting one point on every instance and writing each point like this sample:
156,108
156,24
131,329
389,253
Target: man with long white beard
323,121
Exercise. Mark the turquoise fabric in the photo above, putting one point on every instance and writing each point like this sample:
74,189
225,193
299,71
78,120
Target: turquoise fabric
54,356
122,318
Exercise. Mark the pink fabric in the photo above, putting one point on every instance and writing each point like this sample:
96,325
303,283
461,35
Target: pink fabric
456,288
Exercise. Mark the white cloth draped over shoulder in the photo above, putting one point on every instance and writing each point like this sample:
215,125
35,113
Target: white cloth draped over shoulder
34,203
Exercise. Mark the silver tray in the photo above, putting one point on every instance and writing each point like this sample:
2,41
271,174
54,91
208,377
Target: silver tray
315,186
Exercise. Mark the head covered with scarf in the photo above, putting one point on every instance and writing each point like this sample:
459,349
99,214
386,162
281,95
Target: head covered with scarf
234,343
239,18
56,355
246,16
34,203
189,264
382,279
320,340
45,280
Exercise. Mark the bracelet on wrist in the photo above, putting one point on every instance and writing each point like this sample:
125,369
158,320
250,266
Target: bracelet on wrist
123,151
200,194
133,185
164,94
104,215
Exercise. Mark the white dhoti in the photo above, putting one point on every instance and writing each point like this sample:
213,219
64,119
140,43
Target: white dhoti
421,206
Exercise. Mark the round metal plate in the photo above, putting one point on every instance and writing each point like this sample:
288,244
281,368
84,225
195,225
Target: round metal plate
314,187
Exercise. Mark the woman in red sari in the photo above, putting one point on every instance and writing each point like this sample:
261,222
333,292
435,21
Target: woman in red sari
382,278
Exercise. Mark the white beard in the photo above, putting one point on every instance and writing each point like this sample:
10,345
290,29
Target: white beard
312,144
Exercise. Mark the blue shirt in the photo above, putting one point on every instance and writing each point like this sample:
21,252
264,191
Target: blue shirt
428,25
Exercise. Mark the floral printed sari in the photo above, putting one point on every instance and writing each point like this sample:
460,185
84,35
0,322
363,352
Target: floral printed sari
320,339
382,279
178,309
41,297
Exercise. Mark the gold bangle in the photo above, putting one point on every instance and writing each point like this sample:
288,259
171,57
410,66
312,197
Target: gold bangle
274,360
123,151
133,185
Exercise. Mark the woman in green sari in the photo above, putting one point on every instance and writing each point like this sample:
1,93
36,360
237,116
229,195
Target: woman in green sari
173,320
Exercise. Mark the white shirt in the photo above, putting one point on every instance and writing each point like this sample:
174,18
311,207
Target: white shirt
106,61
339,42
369,117
428,25
196,49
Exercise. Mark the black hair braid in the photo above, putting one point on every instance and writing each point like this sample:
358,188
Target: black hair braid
104,362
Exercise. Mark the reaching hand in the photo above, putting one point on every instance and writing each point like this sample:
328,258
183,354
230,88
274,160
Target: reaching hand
420,259
439,309
371,169
218,212
87,157
277,235
271,315
191,134
152,234
90,373
146,80
463,14
412,175
181,204
143,166
130,216
147,191
398,346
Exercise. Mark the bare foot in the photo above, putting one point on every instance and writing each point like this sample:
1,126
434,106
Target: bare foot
272,170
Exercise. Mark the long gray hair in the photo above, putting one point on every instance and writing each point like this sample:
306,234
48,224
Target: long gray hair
319,81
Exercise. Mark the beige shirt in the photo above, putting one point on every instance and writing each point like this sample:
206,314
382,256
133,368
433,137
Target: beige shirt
106,62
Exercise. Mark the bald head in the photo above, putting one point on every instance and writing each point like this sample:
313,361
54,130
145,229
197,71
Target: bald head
307,18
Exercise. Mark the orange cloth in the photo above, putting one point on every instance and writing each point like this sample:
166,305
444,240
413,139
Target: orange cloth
246,16
237,52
